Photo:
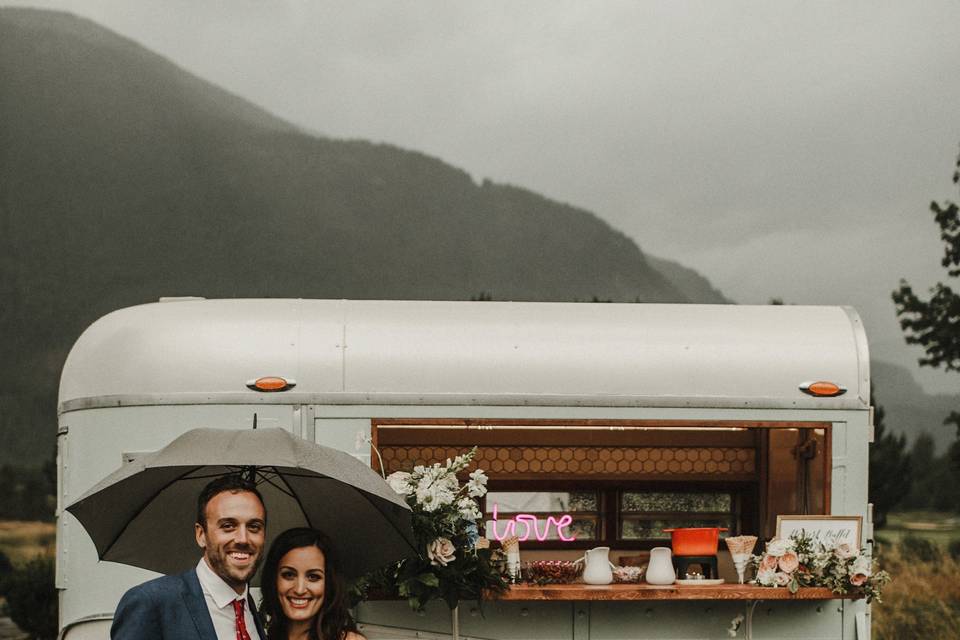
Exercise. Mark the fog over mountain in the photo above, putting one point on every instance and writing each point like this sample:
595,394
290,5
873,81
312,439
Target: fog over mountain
126,177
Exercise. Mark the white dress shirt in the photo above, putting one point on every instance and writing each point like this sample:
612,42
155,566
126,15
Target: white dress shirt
220,596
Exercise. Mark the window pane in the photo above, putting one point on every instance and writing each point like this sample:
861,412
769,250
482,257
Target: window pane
582,505
682,502
646,529
558,502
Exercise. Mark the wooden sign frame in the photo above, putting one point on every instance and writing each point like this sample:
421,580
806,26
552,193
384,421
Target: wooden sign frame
827,528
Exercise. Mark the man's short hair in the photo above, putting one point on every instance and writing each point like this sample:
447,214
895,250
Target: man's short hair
234,483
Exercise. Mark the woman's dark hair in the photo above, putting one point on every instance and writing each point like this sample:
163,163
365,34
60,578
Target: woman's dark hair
334,619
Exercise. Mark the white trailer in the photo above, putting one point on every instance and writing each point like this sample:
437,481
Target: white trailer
626,396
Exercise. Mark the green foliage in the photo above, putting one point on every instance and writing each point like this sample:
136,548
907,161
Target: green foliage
916,548
451,566
930,474
953,548
28,493
932,323
32,598
6,568
890,469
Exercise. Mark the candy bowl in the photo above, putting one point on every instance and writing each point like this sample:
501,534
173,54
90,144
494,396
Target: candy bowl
552,571
628,575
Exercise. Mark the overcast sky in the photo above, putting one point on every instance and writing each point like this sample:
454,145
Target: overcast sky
783,149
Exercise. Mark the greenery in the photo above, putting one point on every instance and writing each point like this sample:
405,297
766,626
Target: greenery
924,599
933,322
28,493
32,598
890,468
803,561
455,563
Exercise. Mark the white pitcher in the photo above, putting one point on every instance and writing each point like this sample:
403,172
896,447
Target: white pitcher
597,568
660,570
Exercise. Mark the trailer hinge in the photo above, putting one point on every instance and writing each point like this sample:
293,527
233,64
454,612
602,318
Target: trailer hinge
871,430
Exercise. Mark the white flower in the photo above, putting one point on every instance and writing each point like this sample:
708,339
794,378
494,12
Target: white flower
767,578
433,496
399,481
778,547
861,566
450,483
441,552
477,486
735,625
844,551
468,509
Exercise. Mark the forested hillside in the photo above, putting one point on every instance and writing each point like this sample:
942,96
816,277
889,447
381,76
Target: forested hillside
125,178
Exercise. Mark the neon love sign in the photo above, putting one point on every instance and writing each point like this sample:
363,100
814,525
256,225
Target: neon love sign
531,524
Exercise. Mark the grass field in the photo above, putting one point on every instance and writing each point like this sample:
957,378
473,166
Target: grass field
21,541
941,528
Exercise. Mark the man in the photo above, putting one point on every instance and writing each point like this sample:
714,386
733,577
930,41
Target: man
211,601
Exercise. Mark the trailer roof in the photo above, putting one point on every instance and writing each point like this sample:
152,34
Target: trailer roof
506,353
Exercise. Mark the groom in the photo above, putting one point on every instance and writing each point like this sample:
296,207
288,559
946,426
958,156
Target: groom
211,601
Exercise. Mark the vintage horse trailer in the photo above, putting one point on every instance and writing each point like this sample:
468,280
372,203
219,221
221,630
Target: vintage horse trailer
629,416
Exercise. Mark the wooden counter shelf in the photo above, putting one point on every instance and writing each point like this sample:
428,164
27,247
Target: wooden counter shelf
669,592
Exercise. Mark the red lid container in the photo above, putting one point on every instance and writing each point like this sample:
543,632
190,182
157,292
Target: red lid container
695,541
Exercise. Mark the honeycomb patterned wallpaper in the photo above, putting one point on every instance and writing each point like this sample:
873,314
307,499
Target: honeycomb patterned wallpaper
582,461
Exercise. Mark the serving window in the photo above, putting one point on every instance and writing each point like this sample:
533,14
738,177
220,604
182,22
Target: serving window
623,482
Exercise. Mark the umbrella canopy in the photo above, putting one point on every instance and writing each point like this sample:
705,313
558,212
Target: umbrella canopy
143,513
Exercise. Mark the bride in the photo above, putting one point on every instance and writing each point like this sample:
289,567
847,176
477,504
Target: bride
304,597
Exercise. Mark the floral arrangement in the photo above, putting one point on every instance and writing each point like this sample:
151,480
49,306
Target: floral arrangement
455,562
803,561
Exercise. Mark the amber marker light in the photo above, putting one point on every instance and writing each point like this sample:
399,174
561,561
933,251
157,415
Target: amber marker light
822,389
271,383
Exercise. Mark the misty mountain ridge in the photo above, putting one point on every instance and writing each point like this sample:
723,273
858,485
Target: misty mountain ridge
127,178
909,409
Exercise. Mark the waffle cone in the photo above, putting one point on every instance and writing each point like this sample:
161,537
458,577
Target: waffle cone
741,544
510,544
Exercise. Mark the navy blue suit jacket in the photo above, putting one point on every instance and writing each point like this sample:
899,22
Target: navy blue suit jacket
168,608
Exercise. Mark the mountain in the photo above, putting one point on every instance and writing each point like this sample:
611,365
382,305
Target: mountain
909,409
125,178
690,283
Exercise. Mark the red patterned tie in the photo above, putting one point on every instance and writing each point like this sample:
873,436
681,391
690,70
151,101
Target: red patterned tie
241,624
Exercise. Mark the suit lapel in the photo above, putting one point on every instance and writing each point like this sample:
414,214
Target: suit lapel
196,604
256,616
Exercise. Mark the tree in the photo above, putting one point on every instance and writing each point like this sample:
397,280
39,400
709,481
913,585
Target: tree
890,469
32,598
934,323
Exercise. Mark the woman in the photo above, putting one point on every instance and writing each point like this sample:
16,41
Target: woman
304,597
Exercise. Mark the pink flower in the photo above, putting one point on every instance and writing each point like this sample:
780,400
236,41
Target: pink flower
768,563
858,579
441,552
783,579
789,562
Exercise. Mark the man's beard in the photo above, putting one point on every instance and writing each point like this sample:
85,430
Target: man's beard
218,561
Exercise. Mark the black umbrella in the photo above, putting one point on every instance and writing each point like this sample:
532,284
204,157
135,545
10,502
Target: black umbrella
142,514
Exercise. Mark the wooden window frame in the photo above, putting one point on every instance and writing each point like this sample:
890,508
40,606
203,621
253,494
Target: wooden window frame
752,490
744,495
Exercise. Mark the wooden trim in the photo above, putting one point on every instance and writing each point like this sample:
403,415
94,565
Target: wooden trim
560,437
558,422
374,446
827,468
669,592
